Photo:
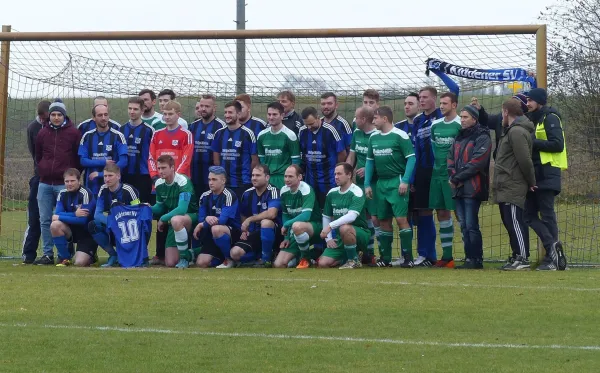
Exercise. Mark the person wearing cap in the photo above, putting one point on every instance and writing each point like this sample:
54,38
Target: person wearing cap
468,167
549,159
56,147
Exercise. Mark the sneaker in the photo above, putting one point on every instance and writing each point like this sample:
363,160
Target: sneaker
156,261
398,262
350,264
183,264
561,259
64,263
408,263
519,264
420,259
27,261
547,264
260,264
111,262
380,263
227,264
304,263
508,263
471,264
425,263
293,263
44,261
444,263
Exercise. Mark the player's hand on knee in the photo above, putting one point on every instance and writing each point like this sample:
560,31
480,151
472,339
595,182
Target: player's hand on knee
161,226
331,244
284,244
212,220
197,230
55,218
244,236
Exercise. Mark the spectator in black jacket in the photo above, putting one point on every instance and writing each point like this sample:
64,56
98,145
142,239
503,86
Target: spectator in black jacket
33,231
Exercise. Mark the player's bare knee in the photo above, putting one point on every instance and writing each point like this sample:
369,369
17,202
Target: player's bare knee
298,228
443,215
218,230
347,230
177,223
55,227
375,221
325,262
403,223
236,253
202,262
267,224
82,260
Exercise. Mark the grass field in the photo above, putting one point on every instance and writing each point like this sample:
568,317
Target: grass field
250,320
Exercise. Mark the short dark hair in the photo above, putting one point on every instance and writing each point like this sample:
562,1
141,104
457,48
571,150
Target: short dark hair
148,91
327,95
43,107
112,167
430,89
136,100
513,107
235,104
308,111
413,94
264,168
95,106
372,94
72,172
276,105
453,98
385,111
287,94
167,92
165,158
348,169
297,168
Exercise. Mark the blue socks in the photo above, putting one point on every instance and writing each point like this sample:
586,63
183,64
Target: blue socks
267,236
426,237
62,244
224,244
248,257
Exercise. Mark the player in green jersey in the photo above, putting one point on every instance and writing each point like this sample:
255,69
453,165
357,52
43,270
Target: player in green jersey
177,206
391,155
301,219
443,133
358,158
345,213
278,145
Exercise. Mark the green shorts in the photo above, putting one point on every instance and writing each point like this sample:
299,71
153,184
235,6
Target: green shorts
339,253
314,239
390,204
370,204
171,233
277,181
440,195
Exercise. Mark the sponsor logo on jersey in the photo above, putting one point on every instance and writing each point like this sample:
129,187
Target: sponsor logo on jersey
295,211
361,149
273,152
340,212
444,140
382,152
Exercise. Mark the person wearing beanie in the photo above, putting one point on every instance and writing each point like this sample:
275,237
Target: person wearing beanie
549,158
56,148
468,175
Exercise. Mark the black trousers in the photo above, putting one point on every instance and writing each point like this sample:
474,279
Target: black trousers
33,231
513,220
540,216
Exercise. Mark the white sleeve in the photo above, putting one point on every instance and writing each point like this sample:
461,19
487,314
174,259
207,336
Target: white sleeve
326,221
350,217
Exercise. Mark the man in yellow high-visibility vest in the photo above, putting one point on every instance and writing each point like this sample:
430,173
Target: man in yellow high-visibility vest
549,157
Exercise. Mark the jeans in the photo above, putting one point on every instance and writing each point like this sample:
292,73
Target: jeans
467,210
540,216
46,199
32,232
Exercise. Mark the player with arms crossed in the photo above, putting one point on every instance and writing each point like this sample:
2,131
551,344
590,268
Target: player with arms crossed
260,209
277,145
345,213
218,222
302,221
70,220
177,212
391,155
111,193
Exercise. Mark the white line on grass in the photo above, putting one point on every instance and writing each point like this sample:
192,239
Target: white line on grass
86,273
303,337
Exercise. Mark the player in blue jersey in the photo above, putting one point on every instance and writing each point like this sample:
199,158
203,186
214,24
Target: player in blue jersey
329,106
322,148
203,132
234,149
100,147
218,221
131,227
260,210
245,117
74,208
113,192
291,119
90,124
138,136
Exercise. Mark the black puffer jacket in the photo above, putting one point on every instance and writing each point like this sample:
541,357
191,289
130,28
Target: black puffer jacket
547,176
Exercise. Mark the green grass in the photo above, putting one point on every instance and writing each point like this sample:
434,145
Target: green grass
156,320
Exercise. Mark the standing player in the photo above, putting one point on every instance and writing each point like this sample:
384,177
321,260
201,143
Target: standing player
277,145
411,111
443,133
302,222
391,155
345,213
113,192
138,136
218,222
234,149
70,220
322,148
329,106
371,100
100,147
203,132
245,117
150,116
260,209
291,119
90,124
358,158
177,211
165,96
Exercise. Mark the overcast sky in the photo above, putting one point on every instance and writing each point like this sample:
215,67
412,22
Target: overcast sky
105,15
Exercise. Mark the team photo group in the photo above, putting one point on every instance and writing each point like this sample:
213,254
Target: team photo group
301,189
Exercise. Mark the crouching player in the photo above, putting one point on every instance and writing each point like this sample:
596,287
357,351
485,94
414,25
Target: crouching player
301,219
70,220
345,204
113,192
260,209
218,221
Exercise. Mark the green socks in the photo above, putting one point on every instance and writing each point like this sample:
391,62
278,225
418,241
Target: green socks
386,239
446,237
406,238
351,252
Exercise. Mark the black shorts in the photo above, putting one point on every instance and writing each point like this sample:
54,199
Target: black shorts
254,242
239,191
143,183
422,185
210,247
84,240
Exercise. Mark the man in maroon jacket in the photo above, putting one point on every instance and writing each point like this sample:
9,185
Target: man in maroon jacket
56,148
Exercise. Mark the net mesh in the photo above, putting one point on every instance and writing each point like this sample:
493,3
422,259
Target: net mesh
77,71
